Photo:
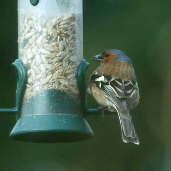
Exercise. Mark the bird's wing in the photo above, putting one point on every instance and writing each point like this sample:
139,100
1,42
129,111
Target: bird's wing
117,89
134,97
113,96
116,86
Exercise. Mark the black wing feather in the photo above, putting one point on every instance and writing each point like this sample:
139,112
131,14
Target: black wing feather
120,88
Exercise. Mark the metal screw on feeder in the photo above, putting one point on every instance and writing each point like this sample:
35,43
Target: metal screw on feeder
51,72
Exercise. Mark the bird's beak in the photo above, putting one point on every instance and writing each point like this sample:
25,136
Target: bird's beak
98,57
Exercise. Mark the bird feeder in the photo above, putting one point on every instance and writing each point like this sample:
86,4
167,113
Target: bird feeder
50,91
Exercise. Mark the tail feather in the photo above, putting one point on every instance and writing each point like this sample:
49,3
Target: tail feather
127,129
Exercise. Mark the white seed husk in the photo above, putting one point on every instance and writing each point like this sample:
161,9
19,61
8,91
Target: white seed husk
49,49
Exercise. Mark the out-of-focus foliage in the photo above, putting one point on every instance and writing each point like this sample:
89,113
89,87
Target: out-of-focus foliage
143,30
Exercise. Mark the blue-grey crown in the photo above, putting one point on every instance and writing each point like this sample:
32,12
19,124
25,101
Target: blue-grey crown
121,56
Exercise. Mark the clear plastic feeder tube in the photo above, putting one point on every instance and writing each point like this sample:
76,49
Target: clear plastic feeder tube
50,42
51,45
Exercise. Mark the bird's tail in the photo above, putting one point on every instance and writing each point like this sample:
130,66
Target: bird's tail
127,128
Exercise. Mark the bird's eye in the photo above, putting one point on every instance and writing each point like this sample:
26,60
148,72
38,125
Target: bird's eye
107,55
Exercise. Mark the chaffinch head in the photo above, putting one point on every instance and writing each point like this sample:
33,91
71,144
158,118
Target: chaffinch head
113,85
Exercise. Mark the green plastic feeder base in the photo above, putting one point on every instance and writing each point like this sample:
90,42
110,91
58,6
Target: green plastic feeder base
51,128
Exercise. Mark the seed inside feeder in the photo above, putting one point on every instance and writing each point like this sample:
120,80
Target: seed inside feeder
49,48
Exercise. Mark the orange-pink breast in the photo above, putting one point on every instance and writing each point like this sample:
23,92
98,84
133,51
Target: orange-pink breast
121,70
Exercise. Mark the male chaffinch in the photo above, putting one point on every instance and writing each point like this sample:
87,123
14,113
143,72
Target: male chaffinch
113,85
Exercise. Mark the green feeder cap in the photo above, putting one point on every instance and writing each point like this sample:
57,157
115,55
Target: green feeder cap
51,128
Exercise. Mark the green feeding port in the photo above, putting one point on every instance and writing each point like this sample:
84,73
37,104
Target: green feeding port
50,99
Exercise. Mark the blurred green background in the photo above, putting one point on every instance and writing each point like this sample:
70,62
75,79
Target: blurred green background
141,28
